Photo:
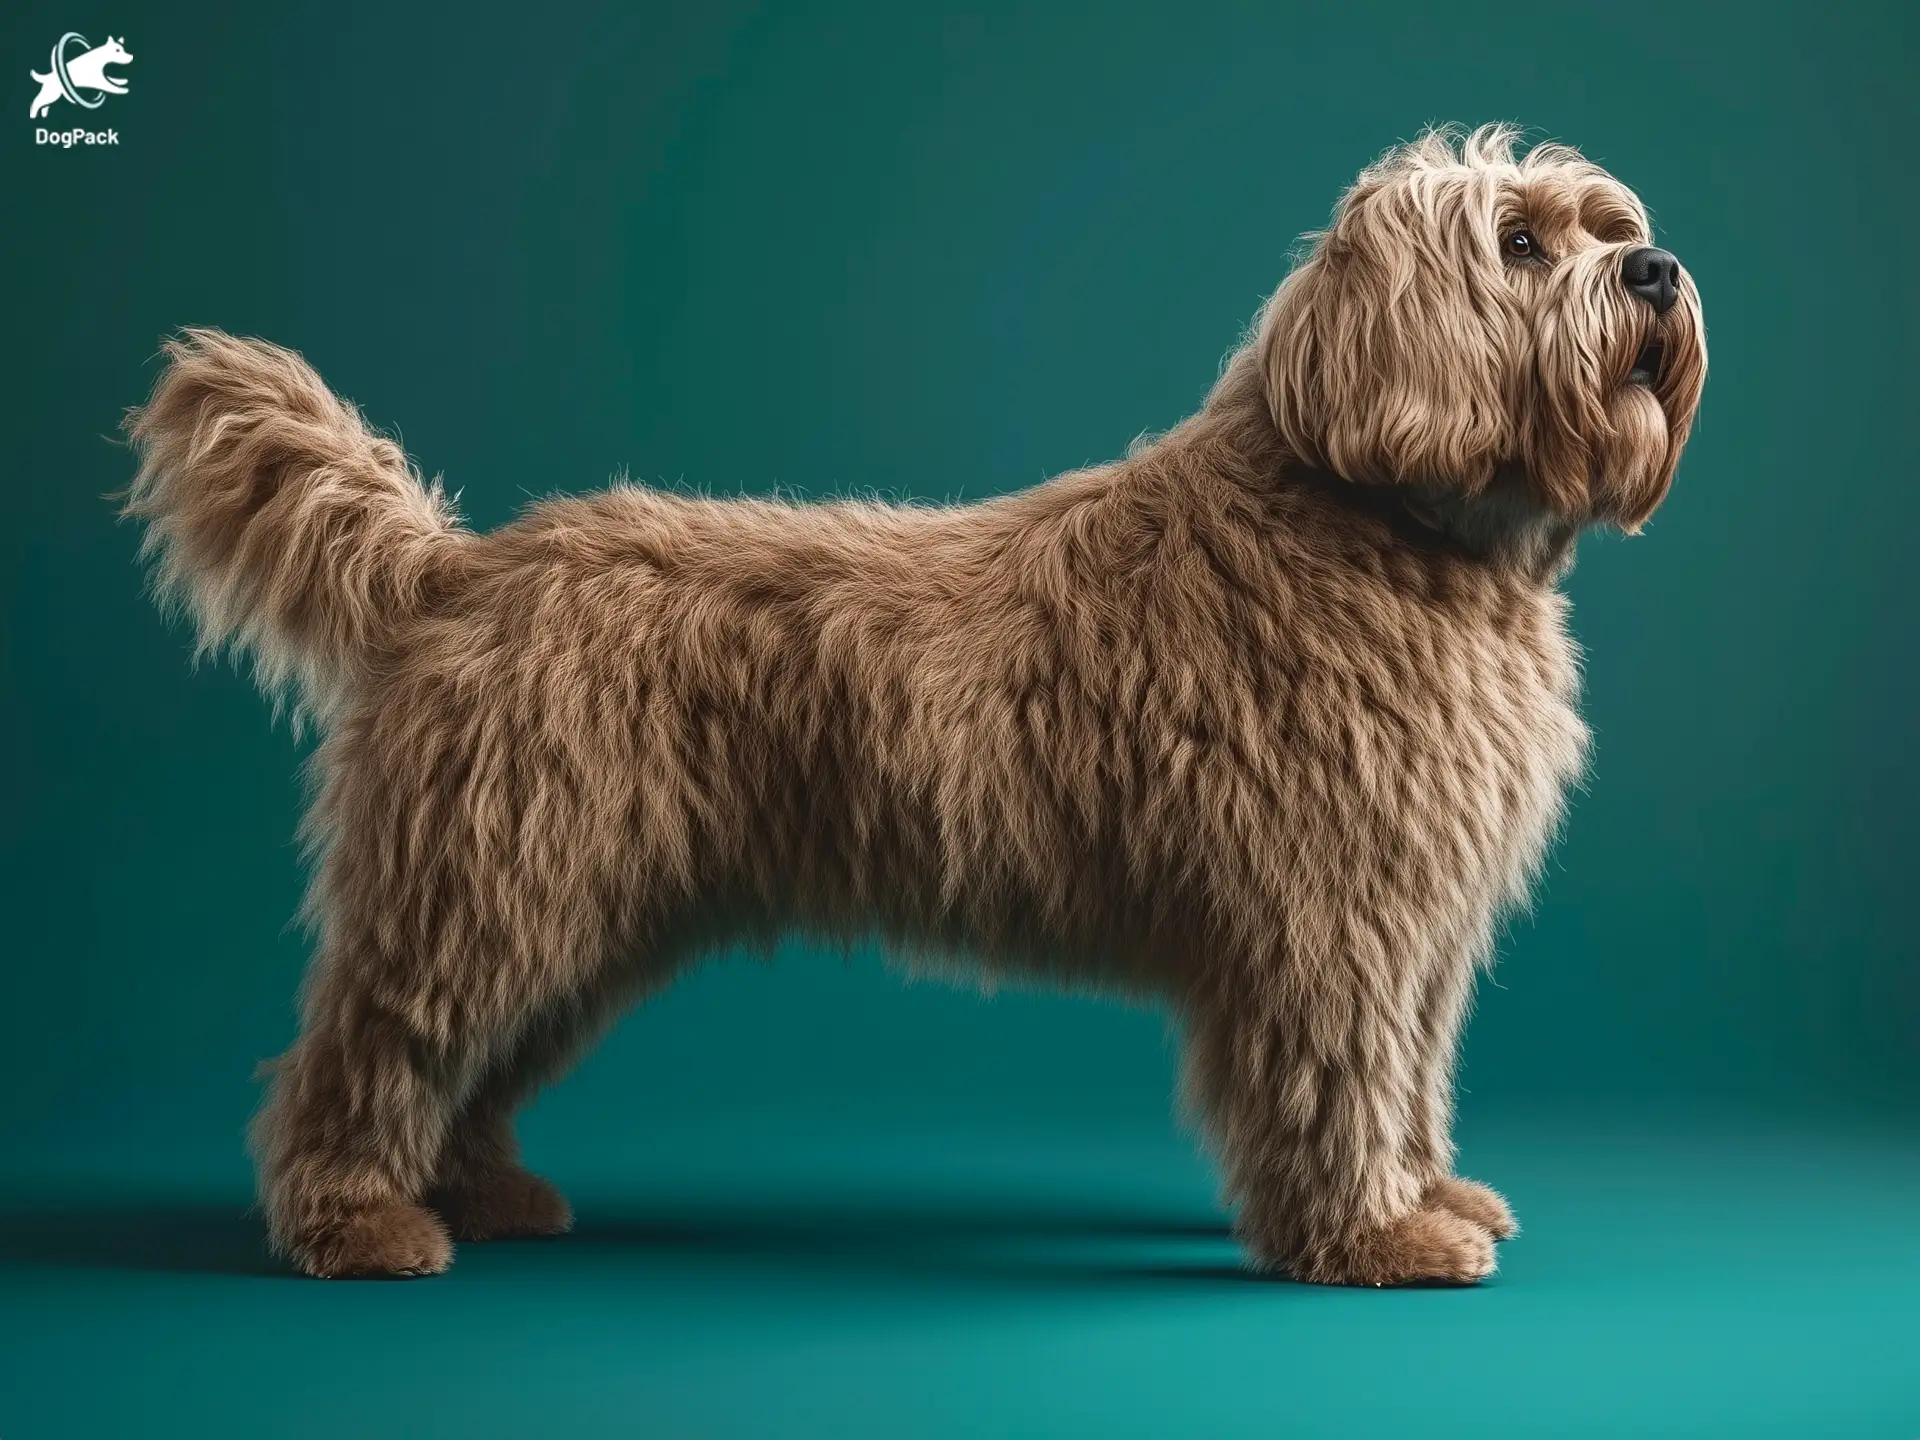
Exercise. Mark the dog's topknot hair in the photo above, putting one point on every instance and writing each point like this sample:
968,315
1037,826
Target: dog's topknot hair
1485,147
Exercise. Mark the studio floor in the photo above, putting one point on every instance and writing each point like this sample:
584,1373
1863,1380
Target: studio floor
1713,1280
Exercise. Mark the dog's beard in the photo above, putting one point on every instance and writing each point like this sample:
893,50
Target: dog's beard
1603,437
1631,469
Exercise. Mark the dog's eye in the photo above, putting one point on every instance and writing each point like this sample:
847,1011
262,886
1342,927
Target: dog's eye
1521,244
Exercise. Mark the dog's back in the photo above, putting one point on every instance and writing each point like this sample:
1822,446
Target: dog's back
1086,727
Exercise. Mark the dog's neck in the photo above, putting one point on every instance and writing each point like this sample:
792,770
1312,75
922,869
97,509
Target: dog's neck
1500,527
1505,524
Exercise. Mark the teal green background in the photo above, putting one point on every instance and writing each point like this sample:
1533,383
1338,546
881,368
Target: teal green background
945,251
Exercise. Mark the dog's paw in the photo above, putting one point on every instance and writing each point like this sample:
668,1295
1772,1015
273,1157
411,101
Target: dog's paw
503,1204
394,1240
1471,1200
1423,1247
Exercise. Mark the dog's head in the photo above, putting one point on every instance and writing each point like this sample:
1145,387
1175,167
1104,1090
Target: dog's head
1470,317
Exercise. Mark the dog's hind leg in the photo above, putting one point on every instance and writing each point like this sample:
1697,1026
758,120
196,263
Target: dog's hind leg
1310,1102
389,1131
360,1109
480,1187
438,941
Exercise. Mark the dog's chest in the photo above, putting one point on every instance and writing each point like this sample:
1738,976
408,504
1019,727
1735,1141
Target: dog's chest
1488,774
1542,745
1433,750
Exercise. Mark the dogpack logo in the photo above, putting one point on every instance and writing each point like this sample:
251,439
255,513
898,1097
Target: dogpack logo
77,71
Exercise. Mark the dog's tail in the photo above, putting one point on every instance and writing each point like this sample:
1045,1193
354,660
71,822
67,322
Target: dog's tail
287,527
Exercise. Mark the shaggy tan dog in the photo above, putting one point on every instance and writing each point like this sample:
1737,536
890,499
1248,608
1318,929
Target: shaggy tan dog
1269,721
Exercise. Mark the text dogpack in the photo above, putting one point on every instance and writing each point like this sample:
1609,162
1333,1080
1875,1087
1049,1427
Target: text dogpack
67,139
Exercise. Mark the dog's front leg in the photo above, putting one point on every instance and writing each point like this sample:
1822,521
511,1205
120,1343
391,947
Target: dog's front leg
1312,1102
1430,1138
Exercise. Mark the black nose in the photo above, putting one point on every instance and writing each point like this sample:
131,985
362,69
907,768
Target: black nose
1652,274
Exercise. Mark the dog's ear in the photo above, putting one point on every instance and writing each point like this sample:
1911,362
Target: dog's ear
1383,351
